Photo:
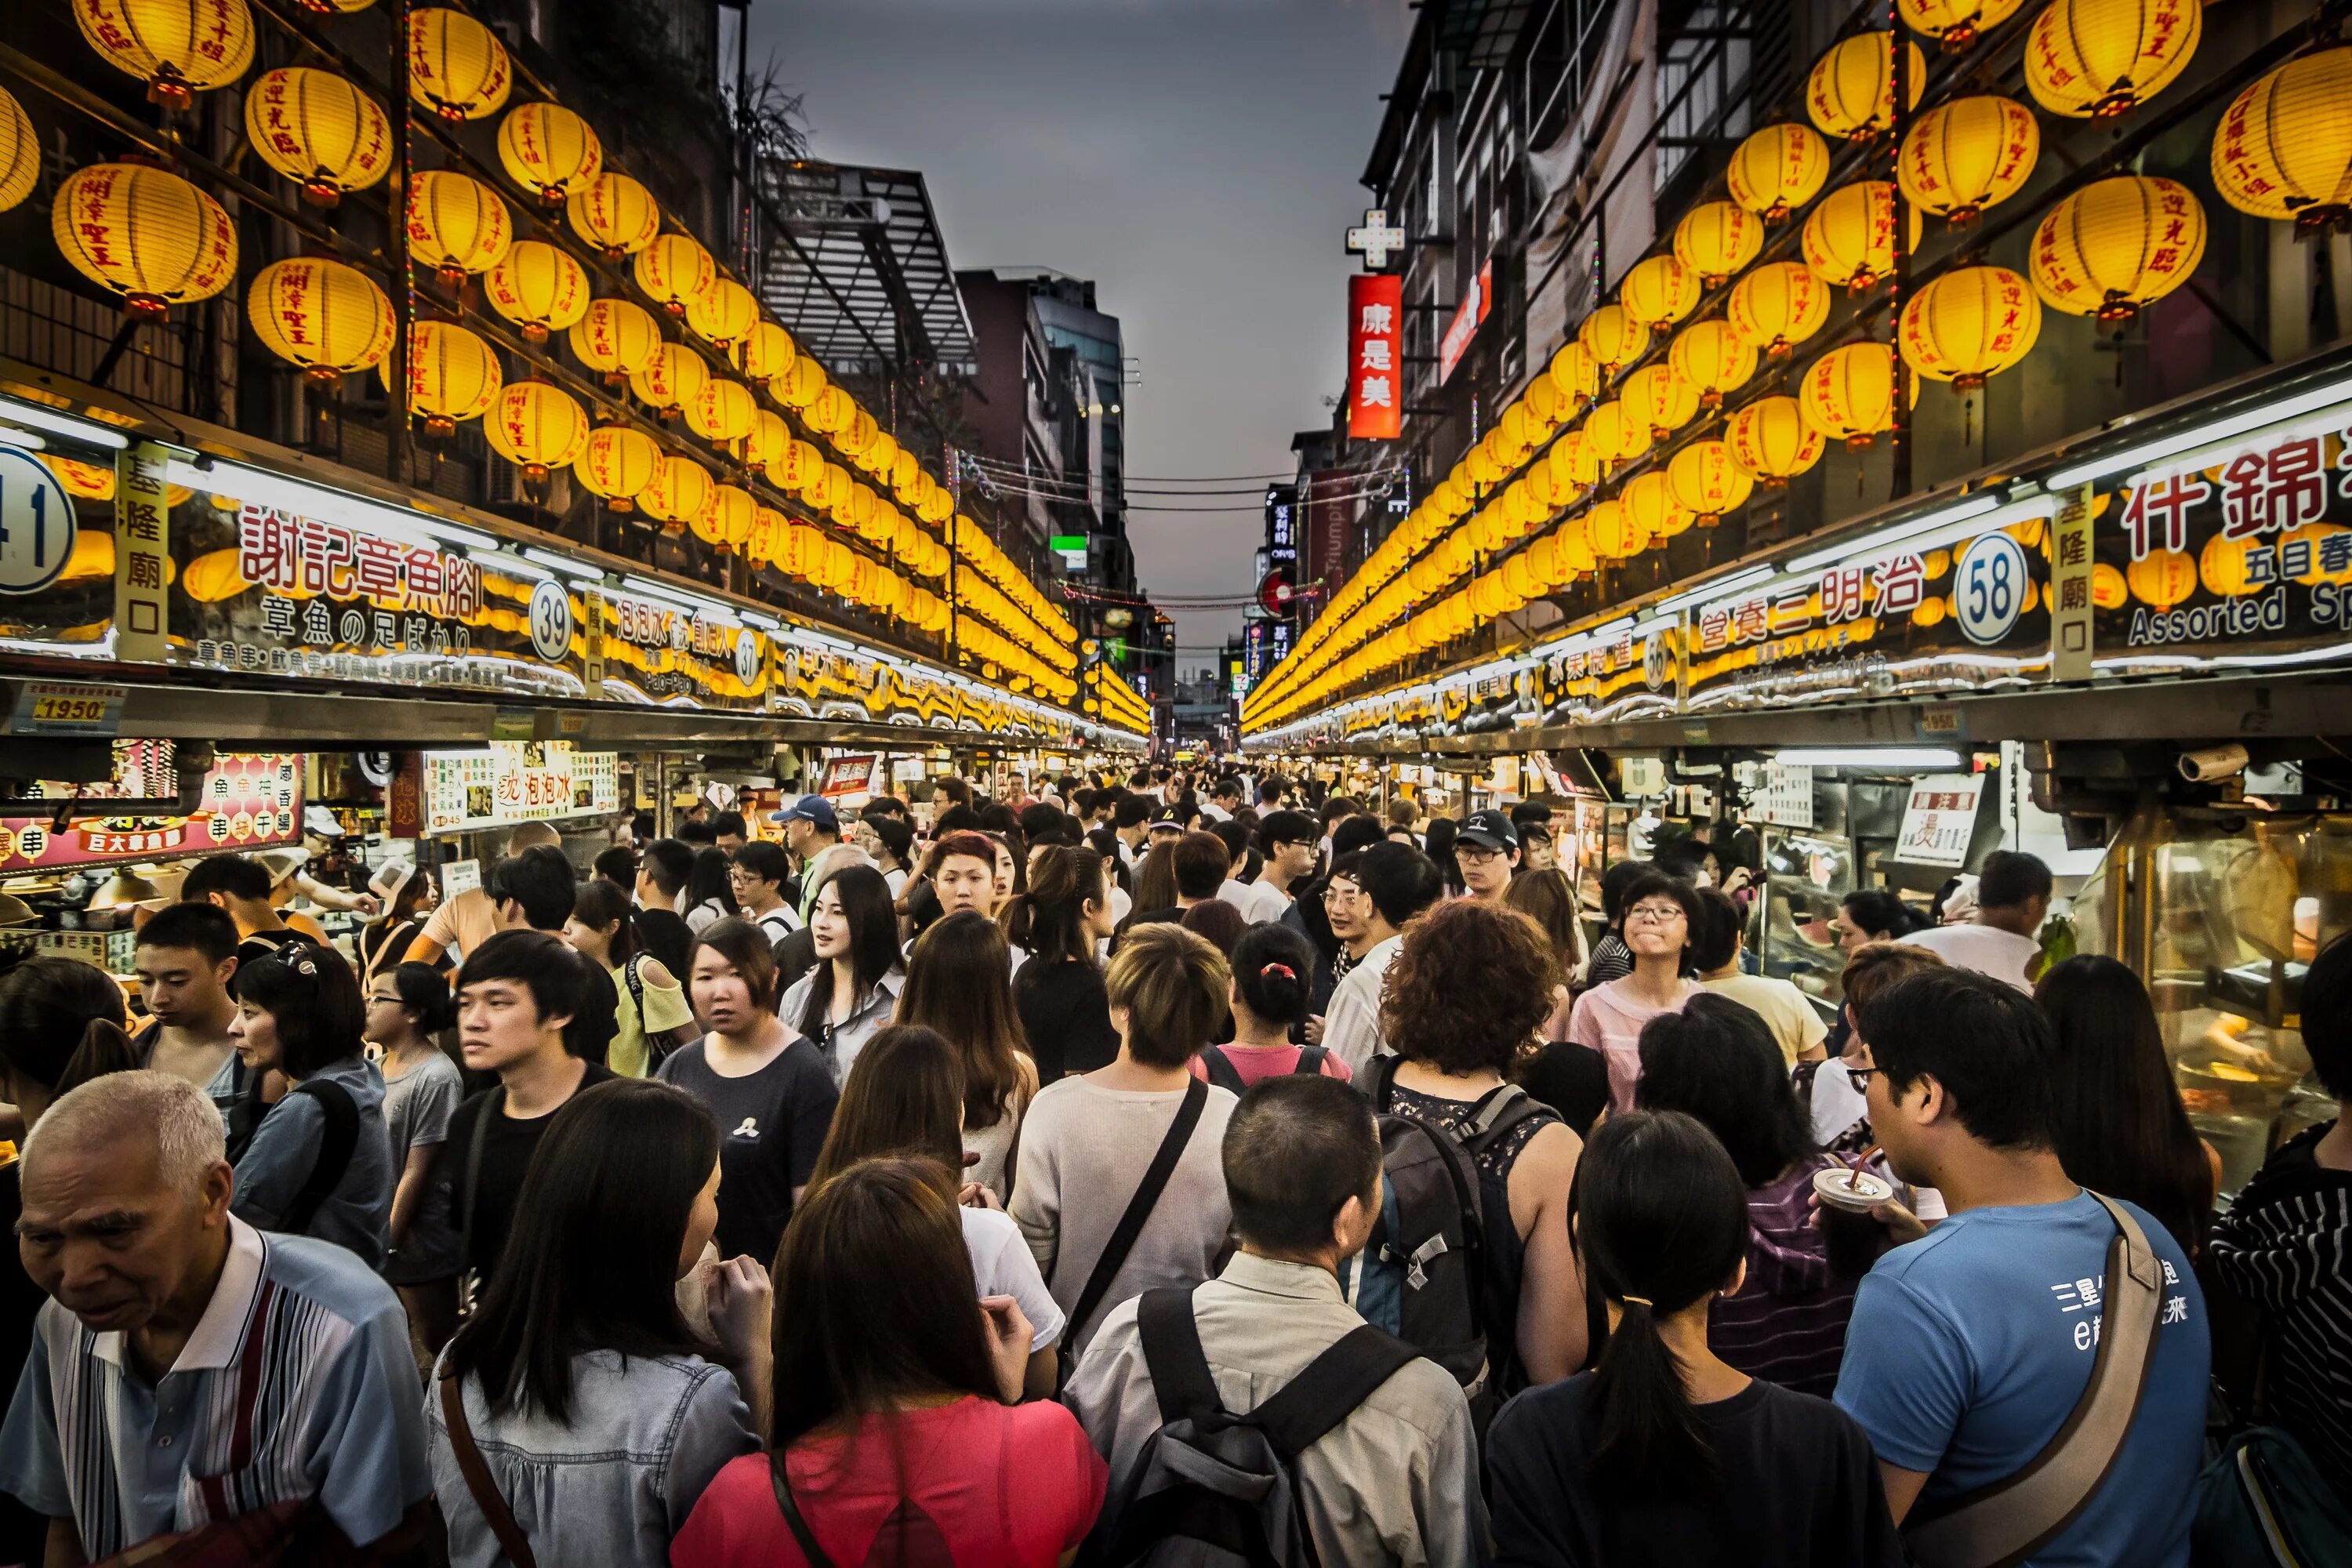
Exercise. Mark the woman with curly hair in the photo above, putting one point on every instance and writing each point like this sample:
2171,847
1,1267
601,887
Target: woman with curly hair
1463,997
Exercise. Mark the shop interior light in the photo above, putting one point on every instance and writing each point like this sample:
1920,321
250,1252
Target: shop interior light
33,416
509,566
1718,589
563,565
2227,429
663,593
1869,757
1964,511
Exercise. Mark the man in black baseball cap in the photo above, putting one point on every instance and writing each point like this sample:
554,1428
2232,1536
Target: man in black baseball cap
1488,850
1167,825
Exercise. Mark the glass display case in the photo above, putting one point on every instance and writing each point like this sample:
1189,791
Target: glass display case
1808,872
2220,912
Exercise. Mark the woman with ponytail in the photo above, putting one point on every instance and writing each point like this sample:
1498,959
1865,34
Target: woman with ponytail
1272,993
1664,1453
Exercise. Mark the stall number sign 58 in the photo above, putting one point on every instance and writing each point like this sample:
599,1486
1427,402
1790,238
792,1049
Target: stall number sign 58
37,524
1989,589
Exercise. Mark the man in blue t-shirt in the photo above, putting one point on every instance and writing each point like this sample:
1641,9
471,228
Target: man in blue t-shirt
1968,1349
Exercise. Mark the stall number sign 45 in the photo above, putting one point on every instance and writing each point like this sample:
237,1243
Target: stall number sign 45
1989,589
37,524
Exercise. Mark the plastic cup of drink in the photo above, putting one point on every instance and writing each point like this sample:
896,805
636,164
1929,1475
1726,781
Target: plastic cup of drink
1854,1191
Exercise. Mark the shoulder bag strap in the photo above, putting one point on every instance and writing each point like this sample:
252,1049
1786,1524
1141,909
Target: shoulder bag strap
1139,1208
2013,1519
636,984
1329,1389
1383,1085
1222,1071
485,1492
1181,1379
340,1136
1495,1115
494,1106
791,1508
1310,1061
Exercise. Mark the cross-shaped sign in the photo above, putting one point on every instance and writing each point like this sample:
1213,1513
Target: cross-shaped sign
1376,240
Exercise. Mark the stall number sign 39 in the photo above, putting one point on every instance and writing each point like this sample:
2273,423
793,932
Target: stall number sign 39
37,524
1989,589
550,620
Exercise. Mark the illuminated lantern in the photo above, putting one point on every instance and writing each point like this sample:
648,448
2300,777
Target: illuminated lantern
538,288
2162,578
767,440
834,563
1494,527
452,376
456,224
2116,245
1549,478
20,153
1716,239
672,378
798,385
1966,155
769,527
1930,614
550,149
1575,466
831,411
1576,374
797,468
215,576
2108,589
178,48
1777,169
675,270
84,481
1955,24
725,521
1651,506
1616,433
880,456
1770,441
1545,404
2221,565
2086,58
1659,291
617,463
1848,394
1613,338
1850,237
1482,467
614,213
763,351
537,425
1851,93
147,234
1777,307
720,409
798,554
1614,533
319,130
456,66
1663,397
1706,482
858,434
1713,358
616,339
1969,323
1521,577
2283,148
678,492
722,313
831,493
322,315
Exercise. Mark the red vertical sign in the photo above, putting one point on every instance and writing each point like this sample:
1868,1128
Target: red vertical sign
1375,356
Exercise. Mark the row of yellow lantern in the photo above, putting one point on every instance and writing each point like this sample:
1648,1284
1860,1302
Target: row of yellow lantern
1116,702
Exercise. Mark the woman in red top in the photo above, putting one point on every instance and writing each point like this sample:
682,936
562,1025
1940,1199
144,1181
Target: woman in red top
896,1428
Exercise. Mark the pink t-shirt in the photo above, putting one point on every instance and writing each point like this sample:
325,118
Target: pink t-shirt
975,1481
1254,1062
1608,1018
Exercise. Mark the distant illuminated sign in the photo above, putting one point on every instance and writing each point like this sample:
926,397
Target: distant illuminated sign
1468,317
1375,357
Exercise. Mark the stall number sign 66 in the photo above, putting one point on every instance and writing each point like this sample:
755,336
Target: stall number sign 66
1989,589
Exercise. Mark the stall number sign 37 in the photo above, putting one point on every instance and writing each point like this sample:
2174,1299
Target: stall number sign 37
37,524
1989,589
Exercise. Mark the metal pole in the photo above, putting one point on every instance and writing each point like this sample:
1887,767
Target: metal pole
403,298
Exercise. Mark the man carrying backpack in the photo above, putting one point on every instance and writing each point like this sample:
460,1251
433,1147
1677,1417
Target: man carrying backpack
1369,1448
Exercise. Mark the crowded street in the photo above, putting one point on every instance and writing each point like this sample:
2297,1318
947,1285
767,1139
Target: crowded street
1026,783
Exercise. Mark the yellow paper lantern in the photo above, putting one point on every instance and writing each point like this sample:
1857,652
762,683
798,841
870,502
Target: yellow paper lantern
1848,394
799,384
859,434
83,482
456,224
834,564
763,351
671,379
20,153
319,130
615,214
178,49
1707,481
799,466
2221,565
456,66
720,409
2116,245
1851,91
1770,441
1777,307
1713,358
879,455
538,426
1970,323
2108,589
1662,396
1615,534
1966,155
802,548
1576,375
547,147
767,440
675,270
453,375
2098,59
1613,338
831,411
1716,239
2283,148
1659,290
2162,578
769,527
616,339
832,492
1778,169
539,287
215,576
725,521
1930,614
1544,403
1850,237
1575,466
723,312
147,234
617,463
322,315
1616,433
677,493
1652,506
1955,24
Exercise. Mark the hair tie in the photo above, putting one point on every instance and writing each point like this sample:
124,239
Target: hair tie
1639,1302
1277,967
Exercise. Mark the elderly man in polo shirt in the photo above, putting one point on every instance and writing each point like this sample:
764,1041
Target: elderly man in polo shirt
190,1369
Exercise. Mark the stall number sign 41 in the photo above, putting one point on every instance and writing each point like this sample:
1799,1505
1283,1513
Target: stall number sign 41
37,524
1989,589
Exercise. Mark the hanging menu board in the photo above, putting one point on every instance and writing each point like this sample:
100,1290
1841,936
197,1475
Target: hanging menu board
517,781
248,801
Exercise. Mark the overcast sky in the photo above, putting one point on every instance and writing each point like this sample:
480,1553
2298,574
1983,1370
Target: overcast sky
1198,159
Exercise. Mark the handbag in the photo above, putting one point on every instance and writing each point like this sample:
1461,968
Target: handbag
485,1492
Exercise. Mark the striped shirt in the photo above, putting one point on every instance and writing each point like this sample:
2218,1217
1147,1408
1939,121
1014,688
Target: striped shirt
1787,1323
297,1382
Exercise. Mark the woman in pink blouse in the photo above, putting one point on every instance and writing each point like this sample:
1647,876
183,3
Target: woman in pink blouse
1659,913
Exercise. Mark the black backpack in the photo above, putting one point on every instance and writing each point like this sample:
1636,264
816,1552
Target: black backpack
1213,1489
1224,1074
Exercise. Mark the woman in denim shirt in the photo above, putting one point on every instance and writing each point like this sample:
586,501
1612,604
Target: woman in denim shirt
599,1415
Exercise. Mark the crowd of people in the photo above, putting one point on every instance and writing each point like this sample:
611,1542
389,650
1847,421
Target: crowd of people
1155,1168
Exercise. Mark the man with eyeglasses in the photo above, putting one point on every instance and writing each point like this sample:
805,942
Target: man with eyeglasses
1488,850
1370,898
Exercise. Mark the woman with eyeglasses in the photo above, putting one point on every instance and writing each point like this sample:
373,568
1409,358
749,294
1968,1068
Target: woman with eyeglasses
1659,915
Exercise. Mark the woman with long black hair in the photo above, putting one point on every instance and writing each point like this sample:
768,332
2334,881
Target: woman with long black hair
1664,1453
1059,992
958,985
850,993
709,890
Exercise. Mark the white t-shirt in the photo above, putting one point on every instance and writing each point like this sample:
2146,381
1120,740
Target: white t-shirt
1002,1265
1261,902
896,881
1987,949
1215,813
